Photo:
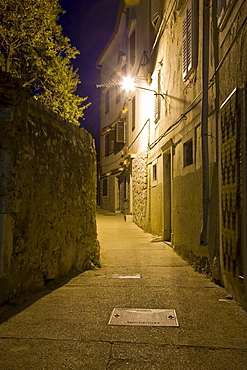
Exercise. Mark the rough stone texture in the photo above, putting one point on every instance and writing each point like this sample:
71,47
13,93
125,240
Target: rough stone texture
47,195
108,202
140,190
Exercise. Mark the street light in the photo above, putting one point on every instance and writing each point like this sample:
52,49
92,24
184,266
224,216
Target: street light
128,84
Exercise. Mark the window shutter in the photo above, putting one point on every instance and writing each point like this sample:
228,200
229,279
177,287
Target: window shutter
154,12
133,113
120,132
190,39
184,51
157,99
106,145
111,141
107,102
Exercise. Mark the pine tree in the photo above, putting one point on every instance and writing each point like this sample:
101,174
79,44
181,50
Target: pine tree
33,48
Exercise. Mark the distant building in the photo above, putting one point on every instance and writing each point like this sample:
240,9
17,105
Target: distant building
173,149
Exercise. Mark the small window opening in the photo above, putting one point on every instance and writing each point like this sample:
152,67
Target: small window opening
188,153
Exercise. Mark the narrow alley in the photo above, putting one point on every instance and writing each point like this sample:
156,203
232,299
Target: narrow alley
68,327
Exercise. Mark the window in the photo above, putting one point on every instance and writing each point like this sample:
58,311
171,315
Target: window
118,94
155,172
109,142
132,47
133,113
190,39
157,98
120,131
188,153
125,187
105,187
107,102
223,10
155,12
107,145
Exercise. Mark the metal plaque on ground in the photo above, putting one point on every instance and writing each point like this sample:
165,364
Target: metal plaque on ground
122,276
143,317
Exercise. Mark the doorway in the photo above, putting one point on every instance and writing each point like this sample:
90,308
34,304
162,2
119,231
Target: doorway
167,208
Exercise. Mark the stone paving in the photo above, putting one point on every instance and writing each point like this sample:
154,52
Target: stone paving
66,326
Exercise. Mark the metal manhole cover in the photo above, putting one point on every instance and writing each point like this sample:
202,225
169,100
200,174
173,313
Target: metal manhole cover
143,317
123,276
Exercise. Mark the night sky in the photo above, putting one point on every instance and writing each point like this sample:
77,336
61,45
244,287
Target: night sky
89,25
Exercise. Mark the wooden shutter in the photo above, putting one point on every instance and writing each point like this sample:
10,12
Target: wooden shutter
190,39
133,113
157,99
120,132
154,12
107,102
111,141
106,145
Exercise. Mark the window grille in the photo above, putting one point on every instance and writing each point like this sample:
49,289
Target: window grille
231,184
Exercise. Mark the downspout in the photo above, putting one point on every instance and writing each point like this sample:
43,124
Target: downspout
204,121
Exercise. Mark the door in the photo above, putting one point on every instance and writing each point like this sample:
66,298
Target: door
167,209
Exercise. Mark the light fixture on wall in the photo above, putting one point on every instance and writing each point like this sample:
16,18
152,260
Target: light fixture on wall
129,84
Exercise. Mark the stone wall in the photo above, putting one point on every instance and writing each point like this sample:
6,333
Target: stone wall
140,190
47,195
108,201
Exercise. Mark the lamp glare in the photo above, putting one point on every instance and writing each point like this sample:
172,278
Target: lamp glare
128,83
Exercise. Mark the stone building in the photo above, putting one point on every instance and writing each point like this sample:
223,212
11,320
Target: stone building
173,150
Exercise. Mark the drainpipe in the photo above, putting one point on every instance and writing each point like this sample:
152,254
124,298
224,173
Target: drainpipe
204,121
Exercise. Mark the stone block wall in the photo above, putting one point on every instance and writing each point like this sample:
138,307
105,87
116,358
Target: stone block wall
47,195
140,190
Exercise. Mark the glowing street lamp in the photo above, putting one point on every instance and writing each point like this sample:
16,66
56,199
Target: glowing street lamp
128,84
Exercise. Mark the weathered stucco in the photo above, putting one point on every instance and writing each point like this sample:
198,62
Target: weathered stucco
48,195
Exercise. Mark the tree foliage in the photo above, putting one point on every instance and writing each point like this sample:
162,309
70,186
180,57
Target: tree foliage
33,48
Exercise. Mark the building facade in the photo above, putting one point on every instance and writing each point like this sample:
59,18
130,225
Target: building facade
173,148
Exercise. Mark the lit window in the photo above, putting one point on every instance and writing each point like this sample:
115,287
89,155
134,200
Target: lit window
188,153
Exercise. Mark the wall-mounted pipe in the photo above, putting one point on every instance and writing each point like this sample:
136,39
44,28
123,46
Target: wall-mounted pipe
204,122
